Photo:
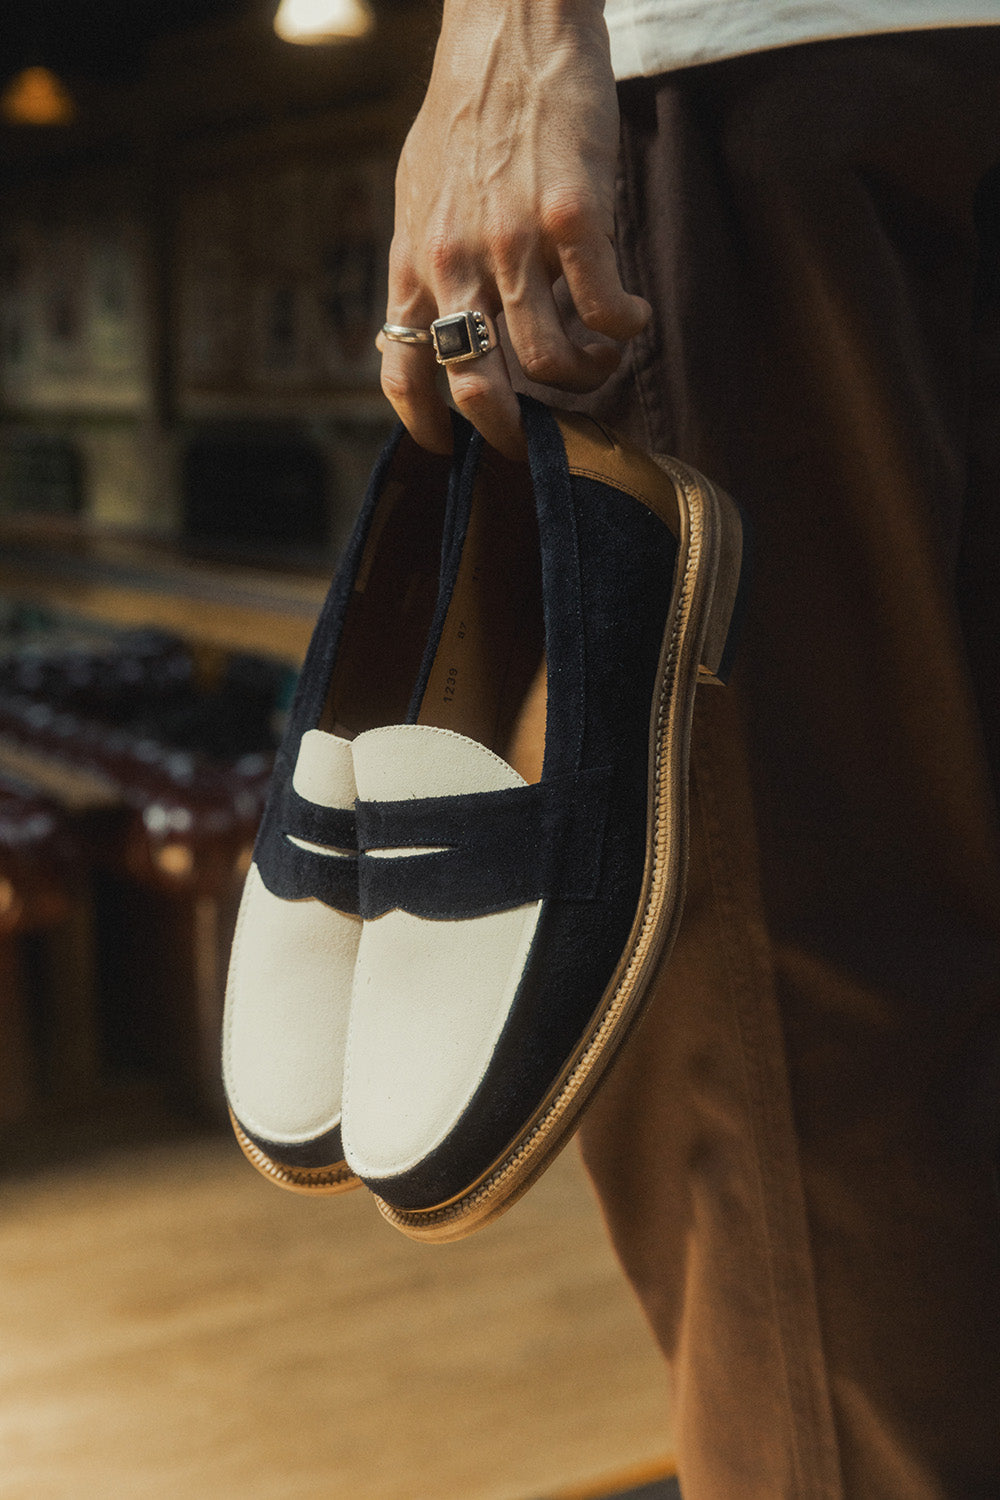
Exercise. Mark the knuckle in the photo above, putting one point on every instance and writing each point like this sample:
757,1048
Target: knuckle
473,394
567,217
399,389
444,258
609,315
506,247
543,366
595,315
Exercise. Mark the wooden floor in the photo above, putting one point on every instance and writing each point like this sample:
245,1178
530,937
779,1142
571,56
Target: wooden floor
172,1327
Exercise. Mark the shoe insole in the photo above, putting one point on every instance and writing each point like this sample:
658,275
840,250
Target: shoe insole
489,680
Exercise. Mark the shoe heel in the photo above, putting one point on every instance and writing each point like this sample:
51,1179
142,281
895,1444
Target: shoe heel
730,591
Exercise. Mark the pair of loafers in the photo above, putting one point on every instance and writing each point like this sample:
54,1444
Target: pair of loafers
473,852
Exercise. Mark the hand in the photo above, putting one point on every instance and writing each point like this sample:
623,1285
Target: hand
505,202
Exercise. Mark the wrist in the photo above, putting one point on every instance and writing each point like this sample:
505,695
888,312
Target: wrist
541,12
532,27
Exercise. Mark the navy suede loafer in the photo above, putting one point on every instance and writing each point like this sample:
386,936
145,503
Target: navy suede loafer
297,934
523,843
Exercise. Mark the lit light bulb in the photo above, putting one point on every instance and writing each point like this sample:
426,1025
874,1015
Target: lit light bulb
35,96
322,20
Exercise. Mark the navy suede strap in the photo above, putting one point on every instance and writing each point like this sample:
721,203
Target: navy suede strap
334,827
490,850
294,873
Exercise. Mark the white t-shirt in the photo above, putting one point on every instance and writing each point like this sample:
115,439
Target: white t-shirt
653,36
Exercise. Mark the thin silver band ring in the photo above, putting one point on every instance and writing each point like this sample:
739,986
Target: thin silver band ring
400,334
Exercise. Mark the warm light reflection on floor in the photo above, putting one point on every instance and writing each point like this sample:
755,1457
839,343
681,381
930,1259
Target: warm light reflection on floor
172,1325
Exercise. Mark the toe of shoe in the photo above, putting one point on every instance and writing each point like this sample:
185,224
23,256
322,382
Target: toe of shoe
285,1024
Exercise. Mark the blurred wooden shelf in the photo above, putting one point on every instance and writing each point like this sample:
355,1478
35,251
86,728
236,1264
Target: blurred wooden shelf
131,583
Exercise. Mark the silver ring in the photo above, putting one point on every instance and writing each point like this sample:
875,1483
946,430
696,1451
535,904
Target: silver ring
463,335
400,334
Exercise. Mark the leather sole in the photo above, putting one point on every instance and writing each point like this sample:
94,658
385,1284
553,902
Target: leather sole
318,1181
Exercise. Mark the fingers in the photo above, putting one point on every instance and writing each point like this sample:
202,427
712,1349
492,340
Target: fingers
409,381
481,388
544,349
482,391
601,302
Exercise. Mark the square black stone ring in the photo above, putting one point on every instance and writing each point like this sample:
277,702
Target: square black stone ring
463,335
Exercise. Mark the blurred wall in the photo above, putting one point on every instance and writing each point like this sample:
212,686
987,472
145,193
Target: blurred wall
201,255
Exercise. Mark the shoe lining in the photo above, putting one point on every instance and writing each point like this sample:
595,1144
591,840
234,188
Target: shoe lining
395,592
489,678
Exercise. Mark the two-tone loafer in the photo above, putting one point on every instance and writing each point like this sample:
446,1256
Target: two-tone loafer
293,958
524,841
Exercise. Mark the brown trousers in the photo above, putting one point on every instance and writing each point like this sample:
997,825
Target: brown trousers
797,1155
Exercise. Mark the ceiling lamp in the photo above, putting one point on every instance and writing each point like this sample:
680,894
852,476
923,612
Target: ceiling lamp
35,96
313,21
